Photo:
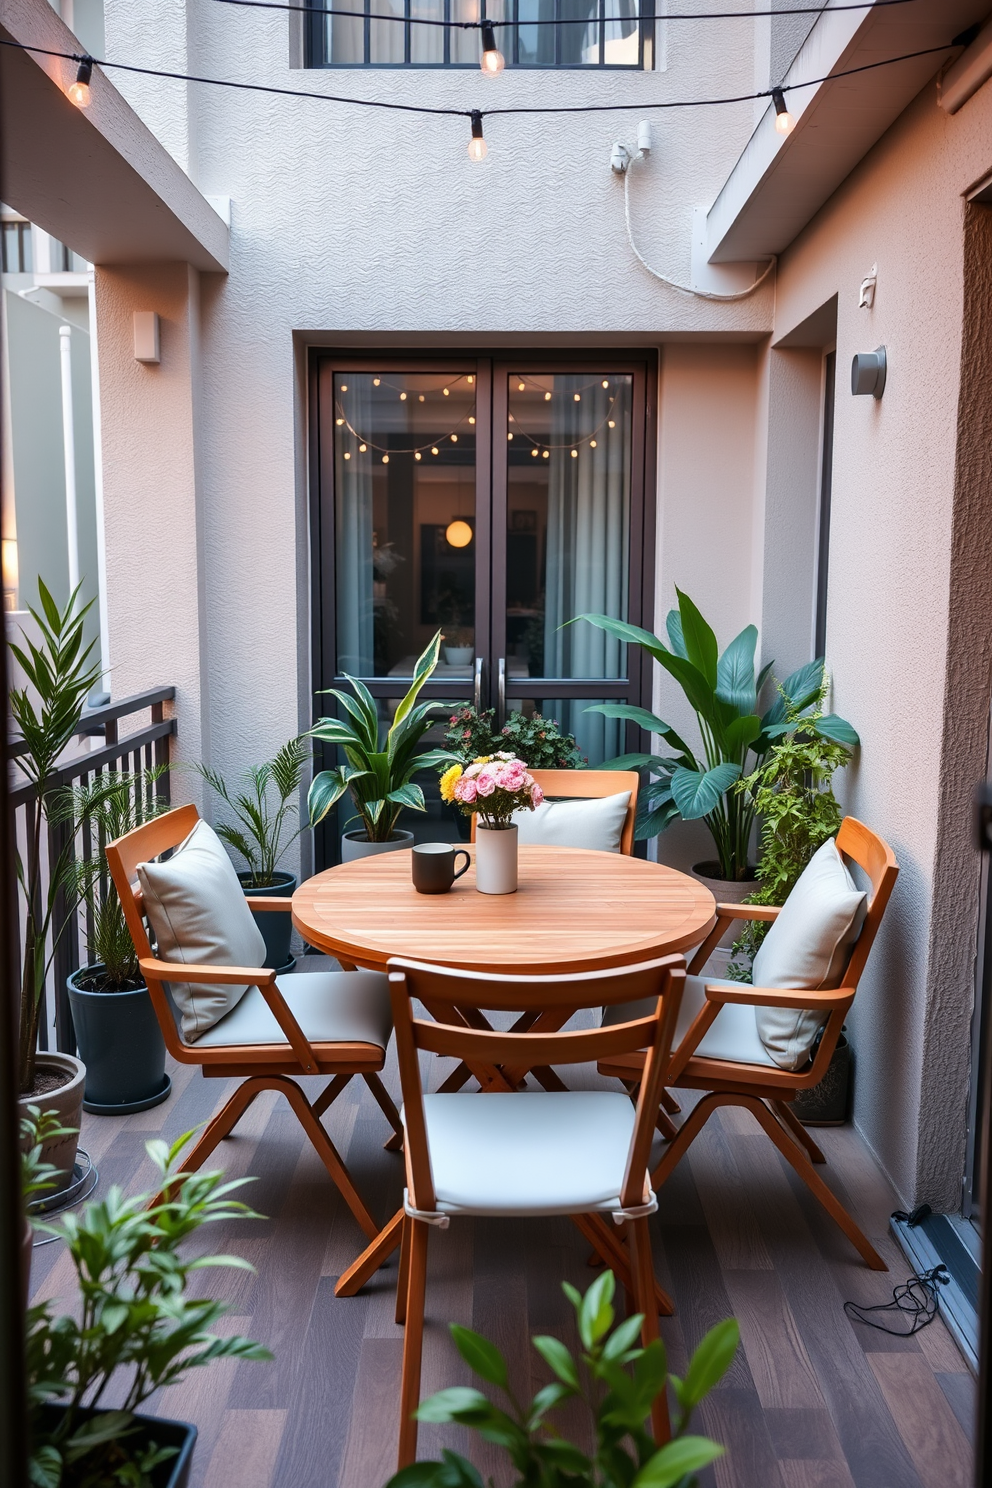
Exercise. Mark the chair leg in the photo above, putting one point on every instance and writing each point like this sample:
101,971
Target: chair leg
617,1257
666,1126
219,1126
350,1282
413,1343
330,1094
670,1104
790,1120
326,1151
459,1076
685,1136
403,1280
644,1288
388,1108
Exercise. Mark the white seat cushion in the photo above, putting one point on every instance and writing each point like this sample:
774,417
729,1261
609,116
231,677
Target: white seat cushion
596,824
733,1035
528,1152
807,948
197,910
330,1006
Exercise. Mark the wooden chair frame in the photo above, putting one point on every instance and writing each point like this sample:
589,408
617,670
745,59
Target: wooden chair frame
264,1066
589,785
768,1092
453,998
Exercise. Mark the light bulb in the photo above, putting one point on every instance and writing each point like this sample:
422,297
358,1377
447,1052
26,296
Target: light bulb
520,387
592,444
417,455
471,419
575,454
577,397
385,459
547,397
605,383
784,122
339,422
362,448
375,383
458,534
535,453
344,387
446,392
470,378
454,438
79,91
492,61
612,423
509,436
545,454
347,455
477,148
434,450
420,397
402,397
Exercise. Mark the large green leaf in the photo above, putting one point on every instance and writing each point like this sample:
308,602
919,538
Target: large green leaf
673,624
327,788
700,642
838,729
652,823
644,719
710,1362
595,1312
426,662
802,686
481,1356
339,731
698,792
556,1356
408,795
676,1460
735,682
622,631
453,1404
701,696
452,1472
742,733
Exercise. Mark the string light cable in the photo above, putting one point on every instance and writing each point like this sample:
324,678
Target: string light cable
915,1303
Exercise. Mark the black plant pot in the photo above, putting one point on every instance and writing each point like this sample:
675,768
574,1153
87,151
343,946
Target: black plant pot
276,925
828,1103
174,1471
121,1044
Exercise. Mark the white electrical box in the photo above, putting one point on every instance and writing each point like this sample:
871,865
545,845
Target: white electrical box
146,336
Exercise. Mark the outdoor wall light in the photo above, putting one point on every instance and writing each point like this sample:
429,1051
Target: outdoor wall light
493,61
477,148
868,373
458,533
147,346
79,91
784,122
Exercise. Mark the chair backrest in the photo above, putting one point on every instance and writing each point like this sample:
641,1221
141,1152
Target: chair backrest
586,785
123,856
455,1000
877,860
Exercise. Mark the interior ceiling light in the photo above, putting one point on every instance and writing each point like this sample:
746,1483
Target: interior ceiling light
784,122
458,533
79,91
477,147
492,61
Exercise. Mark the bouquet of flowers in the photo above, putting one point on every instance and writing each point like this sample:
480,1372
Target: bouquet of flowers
494,786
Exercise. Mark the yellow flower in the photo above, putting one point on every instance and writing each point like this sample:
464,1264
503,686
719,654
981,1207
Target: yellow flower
482,759
448,781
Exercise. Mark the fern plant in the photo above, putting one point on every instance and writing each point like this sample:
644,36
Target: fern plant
266,812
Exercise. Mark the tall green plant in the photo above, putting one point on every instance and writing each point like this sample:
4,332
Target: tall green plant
47,713
265,811
614,1379
379,776
103,809
722,690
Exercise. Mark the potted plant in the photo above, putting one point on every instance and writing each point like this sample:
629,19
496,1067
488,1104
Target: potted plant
492,788
379,776
135,1326
116,1029
722,691
614,1380
538,741
47,712
38,1129
266,825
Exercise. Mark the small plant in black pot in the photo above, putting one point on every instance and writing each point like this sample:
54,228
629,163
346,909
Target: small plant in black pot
134,1326
265,826
116,1029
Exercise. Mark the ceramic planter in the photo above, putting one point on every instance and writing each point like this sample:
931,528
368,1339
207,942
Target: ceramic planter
121,1043
459,655
174,1471
276,925
828,1103
726,891
357,845
495,860
67,1101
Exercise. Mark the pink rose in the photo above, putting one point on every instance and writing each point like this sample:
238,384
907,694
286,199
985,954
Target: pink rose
536,795
466,790
486,782
511,777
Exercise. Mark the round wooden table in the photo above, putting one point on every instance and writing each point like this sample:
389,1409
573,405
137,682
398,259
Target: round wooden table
573,911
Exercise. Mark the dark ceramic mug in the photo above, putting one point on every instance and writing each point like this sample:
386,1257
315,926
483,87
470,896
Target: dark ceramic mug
434,866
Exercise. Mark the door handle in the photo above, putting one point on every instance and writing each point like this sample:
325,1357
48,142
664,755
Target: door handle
501,693
477,689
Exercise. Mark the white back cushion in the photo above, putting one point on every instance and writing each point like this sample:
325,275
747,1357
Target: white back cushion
197,909
807,948
596,824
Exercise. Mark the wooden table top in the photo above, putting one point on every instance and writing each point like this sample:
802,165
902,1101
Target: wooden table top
574,910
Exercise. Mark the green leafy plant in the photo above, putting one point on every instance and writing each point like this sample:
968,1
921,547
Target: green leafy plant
538,741
266,812
47,713
792,795
378,775
134,1317
37,1128
103,809
616,1380
722,691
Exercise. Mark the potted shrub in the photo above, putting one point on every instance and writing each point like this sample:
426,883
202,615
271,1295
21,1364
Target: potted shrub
266,825
538,741
377,773
135,1325
722,691
616,1382
47,712
117,1031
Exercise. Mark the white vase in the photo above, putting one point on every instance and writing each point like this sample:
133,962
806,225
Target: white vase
495,860
356,845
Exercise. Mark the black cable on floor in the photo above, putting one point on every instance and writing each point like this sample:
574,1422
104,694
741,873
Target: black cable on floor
915,1302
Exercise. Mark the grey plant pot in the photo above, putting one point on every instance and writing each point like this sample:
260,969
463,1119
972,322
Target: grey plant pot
121,1043
276,925
725,891
356,845
67,1101
829,1103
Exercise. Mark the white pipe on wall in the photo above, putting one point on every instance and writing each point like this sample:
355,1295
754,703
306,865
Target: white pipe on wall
101,533
69,454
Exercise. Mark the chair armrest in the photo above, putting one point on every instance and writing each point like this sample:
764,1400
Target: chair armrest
725,916
748,911
261,902
224,976
785,997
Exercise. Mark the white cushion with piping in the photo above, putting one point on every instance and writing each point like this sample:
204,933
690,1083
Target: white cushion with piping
330,1006
596,824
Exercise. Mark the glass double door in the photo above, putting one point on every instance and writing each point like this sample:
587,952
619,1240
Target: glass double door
493,500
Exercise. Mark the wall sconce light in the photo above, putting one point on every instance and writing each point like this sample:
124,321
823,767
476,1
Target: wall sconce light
868,371
146,336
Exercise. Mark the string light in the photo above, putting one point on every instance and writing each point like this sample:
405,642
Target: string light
471,418
547,397
577,397
347,455
344,387
510,435
477,147
79,91
362,448
605,383
402,397
434,449
520,387
784,122
420,398
534,452
575,454
385,459
454,438
592,444
493,61
375,383
417,455
545,453
446,392
612,423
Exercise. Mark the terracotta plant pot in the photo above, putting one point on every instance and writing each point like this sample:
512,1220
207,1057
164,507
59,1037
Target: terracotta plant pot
495,860
726,891
357,845
67,1100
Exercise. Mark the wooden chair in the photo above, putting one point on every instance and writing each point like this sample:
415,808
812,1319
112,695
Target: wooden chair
526,1153
586,785
263,1066
764,1088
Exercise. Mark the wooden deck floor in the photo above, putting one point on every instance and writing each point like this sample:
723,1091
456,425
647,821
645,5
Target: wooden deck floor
812,1401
